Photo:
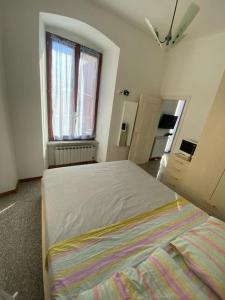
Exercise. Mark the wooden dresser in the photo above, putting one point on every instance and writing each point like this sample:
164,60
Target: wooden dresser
176,167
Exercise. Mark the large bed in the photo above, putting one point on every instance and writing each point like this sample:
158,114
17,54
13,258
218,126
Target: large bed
103,219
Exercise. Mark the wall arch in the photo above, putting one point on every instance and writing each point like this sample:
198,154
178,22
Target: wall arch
108,75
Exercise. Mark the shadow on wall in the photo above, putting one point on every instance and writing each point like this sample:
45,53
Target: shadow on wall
110,53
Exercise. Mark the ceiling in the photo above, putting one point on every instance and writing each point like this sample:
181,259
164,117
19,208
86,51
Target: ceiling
209,20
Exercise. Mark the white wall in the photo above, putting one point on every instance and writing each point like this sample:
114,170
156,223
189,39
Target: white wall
139,70
193,71
8,171
105,103
43,91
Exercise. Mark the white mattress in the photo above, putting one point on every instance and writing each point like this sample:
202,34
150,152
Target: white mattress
81,198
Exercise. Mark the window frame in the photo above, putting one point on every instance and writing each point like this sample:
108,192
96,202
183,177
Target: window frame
78,48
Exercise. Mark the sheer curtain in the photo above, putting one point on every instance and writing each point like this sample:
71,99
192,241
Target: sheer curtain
86,97
73,84
63,90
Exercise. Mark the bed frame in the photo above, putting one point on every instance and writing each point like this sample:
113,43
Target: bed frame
45,273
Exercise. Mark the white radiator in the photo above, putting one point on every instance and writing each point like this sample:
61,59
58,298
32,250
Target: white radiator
65,155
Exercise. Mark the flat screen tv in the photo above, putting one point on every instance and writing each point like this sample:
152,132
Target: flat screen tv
167,121
188,147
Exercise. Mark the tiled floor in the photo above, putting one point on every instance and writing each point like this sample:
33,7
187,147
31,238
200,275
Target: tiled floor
156,167
152,167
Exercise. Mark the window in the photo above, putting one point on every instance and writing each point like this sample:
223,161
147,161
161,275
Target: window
73,87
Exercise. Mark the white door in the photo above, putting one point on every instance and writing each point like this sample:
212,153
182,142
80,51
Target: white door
144,130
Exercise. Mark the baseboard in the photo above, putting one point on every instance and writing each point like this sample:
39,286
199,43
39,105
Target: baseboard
16,188
30,179
10,192
155,158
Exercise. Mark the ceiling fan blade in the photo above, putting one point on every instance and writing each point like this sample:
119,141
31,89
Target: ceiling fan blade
188,17
177,41
153,31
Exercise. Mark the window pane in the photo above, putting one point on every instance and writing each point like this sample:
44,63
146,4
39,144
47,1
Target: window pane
86,98
63,90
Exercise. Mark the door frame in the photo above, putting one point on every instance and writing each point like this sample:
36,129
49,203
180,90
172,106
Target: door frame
184,113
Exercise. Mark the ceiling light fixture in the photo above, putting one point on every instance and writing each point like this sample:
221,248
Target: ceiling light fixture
172,39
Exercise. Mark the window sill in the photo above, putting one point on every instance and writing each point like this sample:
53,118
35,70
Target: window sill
78,142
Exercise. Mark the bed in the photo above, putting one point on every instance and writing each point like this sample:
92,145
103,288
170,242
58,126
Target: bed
103,219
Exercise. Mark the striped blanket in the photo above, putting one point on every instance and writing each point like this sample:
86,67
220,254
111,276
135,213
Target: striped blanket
203,250
156,278
83,262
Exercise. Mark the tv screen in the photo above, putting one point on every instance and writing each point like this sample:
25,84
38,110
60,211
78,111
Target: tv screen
188,147
167,121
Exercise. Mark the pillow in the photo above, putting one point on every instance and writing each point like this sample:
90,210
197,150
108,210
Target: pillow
203,249
158,277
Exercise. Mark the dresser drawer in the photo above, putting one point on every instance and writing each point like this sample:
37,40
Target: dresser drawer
175,170
175,161
180,159
170,178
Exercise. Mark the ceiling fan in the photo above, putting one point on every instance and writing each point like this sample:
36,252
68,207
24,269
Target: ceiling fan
172,39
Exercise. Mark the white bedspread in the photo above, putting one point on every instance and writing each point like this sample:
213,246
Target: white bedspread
81,198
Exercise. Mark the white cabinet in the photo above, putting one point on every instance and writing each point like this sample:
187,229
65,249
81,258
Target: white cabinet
218,196
176,168
203,181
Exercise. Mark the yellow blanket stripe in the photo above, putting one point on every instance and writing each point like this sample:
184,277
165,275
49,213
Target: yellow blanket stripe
58,248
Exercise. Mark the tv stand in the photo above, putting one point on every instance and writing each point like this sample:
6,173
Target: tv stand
177,166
